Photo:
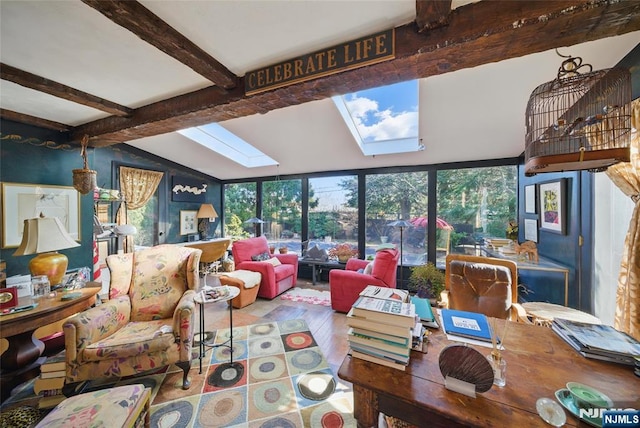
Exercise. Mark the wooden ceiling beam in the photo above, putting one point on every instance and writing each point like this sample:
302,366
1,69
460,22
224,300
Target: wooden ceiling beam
478,33
38,83
432,14
149,27
32,120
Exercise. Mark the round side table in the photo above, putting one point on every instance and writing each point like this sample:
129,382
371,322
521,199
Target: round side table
202,300
543,313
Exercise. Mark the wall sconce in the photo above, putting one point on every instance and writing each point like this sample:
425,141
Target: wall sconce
206,214
84,180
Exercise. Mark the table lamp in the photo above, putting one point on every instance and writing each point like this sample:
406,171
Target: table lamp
44,236
206,211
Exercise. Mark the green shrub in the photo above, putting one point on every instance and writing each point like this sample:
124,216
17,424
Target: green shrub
427,279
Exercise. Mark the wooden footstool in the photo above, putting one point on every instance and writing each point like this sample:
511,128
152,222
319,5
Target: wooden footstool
123,406
247,281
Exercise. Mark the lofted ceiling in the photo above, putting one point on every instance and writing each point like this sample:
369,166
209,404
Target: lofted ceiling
73,66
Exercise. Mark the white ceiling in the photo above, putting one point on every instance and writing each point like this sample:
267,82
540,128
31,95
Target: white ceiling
464,115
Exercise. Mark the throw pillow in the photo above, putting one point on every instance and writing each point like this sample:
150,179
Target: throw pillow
274,261
261,257
360,270
368,269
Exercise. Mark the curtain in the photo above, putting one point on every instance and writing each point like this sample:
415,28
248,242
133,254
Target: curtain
627,177
137,187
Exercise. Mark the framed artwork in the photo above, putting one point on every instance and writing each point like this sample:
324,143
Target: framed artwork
551,196
24,201
530,199
531,229
188,222
185,189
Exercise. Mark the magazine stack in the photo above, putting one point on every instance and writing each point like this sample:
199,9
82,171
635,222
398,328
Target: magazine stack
383,325
598,341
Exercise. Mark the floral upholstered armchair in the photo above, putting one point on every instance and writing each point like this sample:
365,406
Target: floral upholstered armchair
148,321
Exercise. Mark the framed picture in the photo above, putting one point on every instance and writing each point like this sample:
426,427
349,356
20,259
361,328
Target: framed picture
551,198
531,229
24,201
530,199
188,222
184,189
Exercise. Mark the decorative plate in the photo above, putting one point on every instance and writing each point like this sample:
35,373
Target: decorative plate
565,398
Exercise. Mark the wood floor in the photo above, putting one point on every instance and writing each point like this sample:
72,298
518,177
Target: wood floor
328,327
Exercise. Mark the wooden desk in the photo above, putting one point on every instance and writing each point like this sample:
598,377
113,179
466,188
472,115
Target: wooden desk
24,348
538,364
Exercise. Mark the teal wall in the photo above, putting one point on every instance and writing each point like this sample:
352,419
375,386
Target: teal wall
31,155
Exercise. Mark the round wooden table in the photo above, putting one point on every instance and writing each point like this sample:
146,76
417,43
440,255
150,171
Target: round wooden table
543,313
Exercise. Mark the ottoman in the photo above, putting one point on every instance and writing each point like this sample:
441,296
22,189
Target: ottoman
247,281
123,406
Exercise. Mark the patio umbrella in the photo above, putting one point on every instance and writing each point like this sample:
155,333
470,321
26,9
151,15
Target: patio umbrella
423,221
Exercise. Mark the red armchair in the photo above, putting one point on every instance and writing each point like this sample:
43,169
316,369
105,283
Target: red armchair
347,284
275,279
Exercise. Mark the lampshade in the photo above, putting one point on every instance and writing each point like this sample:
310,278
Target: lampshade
579,121
399,223
207,211
44,236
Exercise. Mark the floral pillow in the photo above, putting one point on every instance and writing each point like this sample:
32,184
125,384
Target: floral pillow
261,257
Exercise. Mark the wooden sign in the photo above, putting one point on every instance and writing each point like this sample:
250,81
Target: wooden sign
346,56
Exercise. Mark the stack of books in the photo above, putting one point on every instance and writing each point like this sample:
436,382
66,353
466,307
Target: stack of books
598,341
382,326
50,382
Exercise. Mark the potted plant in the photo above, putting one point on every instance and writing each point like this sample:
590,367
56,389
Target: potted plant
343,252
426,281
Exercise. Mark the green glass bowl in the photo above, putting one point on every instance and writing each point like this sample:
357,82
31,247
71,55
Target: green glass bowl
586,397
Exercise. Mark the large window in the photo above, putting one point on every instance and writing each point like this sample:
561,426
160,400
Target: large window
282,214
333,211
239,206
398,196
477,203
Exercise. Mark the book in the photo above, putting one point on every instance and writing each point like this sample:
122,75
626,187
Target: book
376,352
419,338
51,401
381,361
466,324
368,324
385,311
385,293
424,311
600,337
40,385
383,345
400,340
54,374
54,363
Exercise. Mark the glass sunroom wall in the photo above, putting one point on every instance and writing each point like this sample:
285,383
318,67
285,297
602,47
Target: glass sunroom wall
397,196
333,212
478,203
282,214
239,206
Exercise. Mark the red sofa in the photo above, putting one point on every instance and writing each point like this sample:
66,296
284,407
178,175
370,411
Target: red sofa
347,284
275,279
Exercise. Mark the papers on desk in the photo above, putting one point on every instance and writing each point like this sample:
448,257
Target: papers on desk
462,339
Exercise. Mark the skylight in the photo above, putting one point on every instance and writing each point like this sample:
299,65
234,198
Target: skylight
229,145
383,120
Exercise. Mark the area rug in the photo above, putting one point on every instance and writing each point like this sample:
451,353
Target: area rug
279,379
308,295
